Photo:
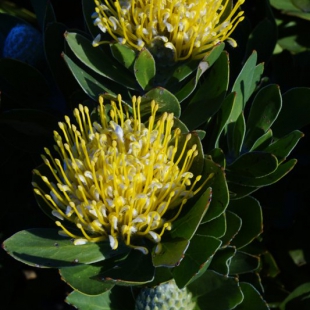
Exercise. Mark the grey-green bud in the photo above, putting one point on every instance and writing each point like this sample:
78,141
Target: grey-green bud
166,296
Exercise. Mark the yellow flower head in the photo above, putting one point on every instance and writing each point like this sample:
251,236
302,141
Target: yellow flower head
118,178
187,27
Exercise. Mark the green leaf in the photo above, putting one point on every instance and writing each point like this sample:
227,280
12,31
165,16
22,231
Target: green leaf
136,269
235,140
254,164
162,274
208,98
86,278
262,142
301,292
178,73
222,118
204,65
119,298
256,247
123,54
144,69
98,61
254,279
238,191
220,196
292,8
201,134
86,302
178,124
298,256
188,88
245,85
166,101
16,11
252,299
215,228
233,226
46,248
304,5
216,292
196,259
291,44
294,37
270,265
212,56
221,260
170,254
282,4
93,85
243,263
282,170
283,147
295,112
264,111
183,70
249,210
186,226
257,74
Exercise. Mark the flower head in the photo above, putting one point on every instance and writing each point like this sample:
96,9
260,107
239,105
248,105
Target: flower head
118,178
187,27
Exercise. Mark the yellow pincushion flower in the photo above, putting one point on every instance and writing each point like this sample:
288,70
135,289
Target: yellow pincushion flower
188,27
118,178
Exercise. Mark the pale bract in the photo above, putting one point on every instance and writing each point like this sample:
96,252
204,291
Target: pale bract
189,28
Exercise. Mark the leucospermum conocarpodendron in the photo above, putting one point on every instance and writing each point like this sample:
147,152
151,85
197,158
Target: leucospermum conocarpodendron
117,178
188,27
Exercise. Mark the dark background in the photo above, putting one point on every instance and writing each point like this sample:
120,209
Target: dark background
285,204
